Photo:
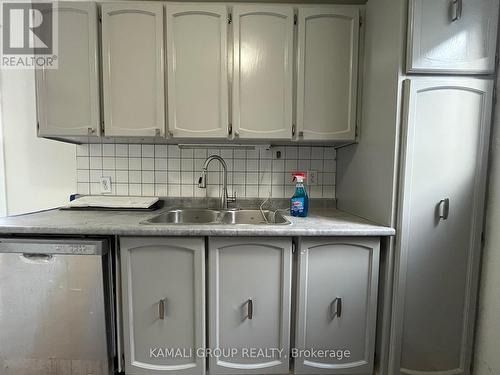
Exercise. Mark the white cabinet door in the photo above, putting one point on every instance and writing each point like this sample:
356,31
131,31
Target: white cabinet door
163,304
68,97
133,69
445,149
263,66
249,304
337,305
197,70
452,36
328,39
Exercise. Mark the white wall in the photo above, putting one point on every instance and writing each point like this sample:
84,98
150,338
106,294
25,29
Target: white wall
39,173
368,169
487,358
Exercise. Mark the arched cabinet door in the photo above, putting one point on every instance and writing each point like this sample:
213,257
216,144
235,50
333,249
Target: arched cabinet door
197,70
249,304
444,161
133,69
68,97
327,81
263,71
163,300
452,36
337,305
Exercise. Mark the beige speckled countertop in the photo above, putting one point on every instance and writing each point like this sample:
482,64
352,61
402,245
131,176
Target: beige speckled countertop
320,222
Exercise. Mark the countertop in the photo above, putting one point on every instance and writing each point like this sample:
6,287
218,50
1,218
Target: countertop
320,222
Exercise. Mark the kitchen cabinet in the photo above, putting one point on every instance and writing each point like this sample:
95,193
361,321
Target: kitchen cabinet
197,70
163,304
445,148
337,304
133,69
249,303
452,36
328,39
263,71
68,97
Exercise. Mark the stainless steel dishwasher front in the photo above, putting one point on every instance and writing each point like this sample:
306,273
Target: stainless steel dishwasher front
55,310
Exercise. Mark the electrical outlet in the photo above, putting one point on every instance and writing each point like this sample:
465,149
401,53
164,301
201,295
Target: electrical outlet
106,185
312,178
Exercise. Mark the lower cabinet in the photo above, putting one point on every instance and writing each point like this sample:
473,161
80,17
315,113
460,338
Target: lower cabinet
163,304
249,305
336,305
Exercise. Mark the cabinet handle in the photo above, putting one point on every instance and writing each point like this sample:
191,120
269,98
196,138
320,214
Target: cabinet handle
456,7
161,308
337,302
250,309
444,208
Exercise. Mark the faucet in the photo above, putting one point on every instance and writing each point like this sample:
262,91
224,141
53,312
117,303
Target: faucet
202,182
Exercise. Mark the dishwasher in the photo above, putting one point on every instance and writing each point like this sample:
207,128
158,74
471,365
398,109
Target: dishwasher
56,313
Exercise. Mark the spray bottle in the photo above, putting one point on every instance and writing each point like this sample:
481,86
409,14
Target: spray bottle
299,201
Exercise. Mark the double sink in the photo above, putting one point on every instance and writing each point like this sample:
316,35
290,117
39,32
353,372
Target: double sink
210,216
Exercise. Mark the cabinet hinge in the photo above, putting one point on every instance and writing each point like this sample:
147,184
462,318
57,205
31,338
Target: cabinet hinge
295,19
294,130
102,128
294,247
360,21
230,128
230,18
38,125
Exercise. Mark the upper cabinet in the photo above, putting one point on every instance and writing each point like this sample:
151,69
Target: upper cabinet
215,71
263,71
68,97
197,70
133,69
327,81
452,36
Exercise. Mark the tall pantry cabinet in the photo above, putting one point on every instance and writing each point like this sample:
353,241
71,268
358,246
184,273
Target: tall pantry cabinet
445,141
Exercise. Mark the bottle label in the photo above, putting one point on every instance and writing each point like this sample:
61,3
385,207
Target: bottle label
297,205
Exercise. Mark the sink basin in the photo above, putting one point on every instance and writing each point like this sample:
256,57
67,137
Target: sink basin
208,216
253,217
186,216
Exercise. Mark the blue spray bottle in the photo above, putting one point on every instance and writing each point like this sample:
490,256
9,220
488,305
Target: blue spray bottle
299,202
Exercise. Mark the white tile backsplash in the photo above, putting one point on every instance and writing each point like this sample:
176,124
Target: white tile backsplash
166,170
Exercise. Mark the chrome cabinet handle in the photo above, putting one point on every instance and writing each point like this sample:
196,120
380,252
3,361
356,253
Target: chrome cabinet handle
444,208
339,307
161,308
250,309
456,7
337,312
40,257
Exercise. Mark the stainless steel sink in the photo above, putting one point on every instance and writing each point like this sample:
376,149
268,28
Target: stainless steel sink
253,217
208,216
186,216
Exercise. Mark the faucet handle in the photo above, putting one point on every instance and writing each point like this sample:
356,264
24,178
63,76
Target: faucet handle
232,199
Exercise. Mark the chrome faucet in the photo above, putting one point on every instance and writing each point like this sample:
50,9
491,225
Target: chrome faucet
202,182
